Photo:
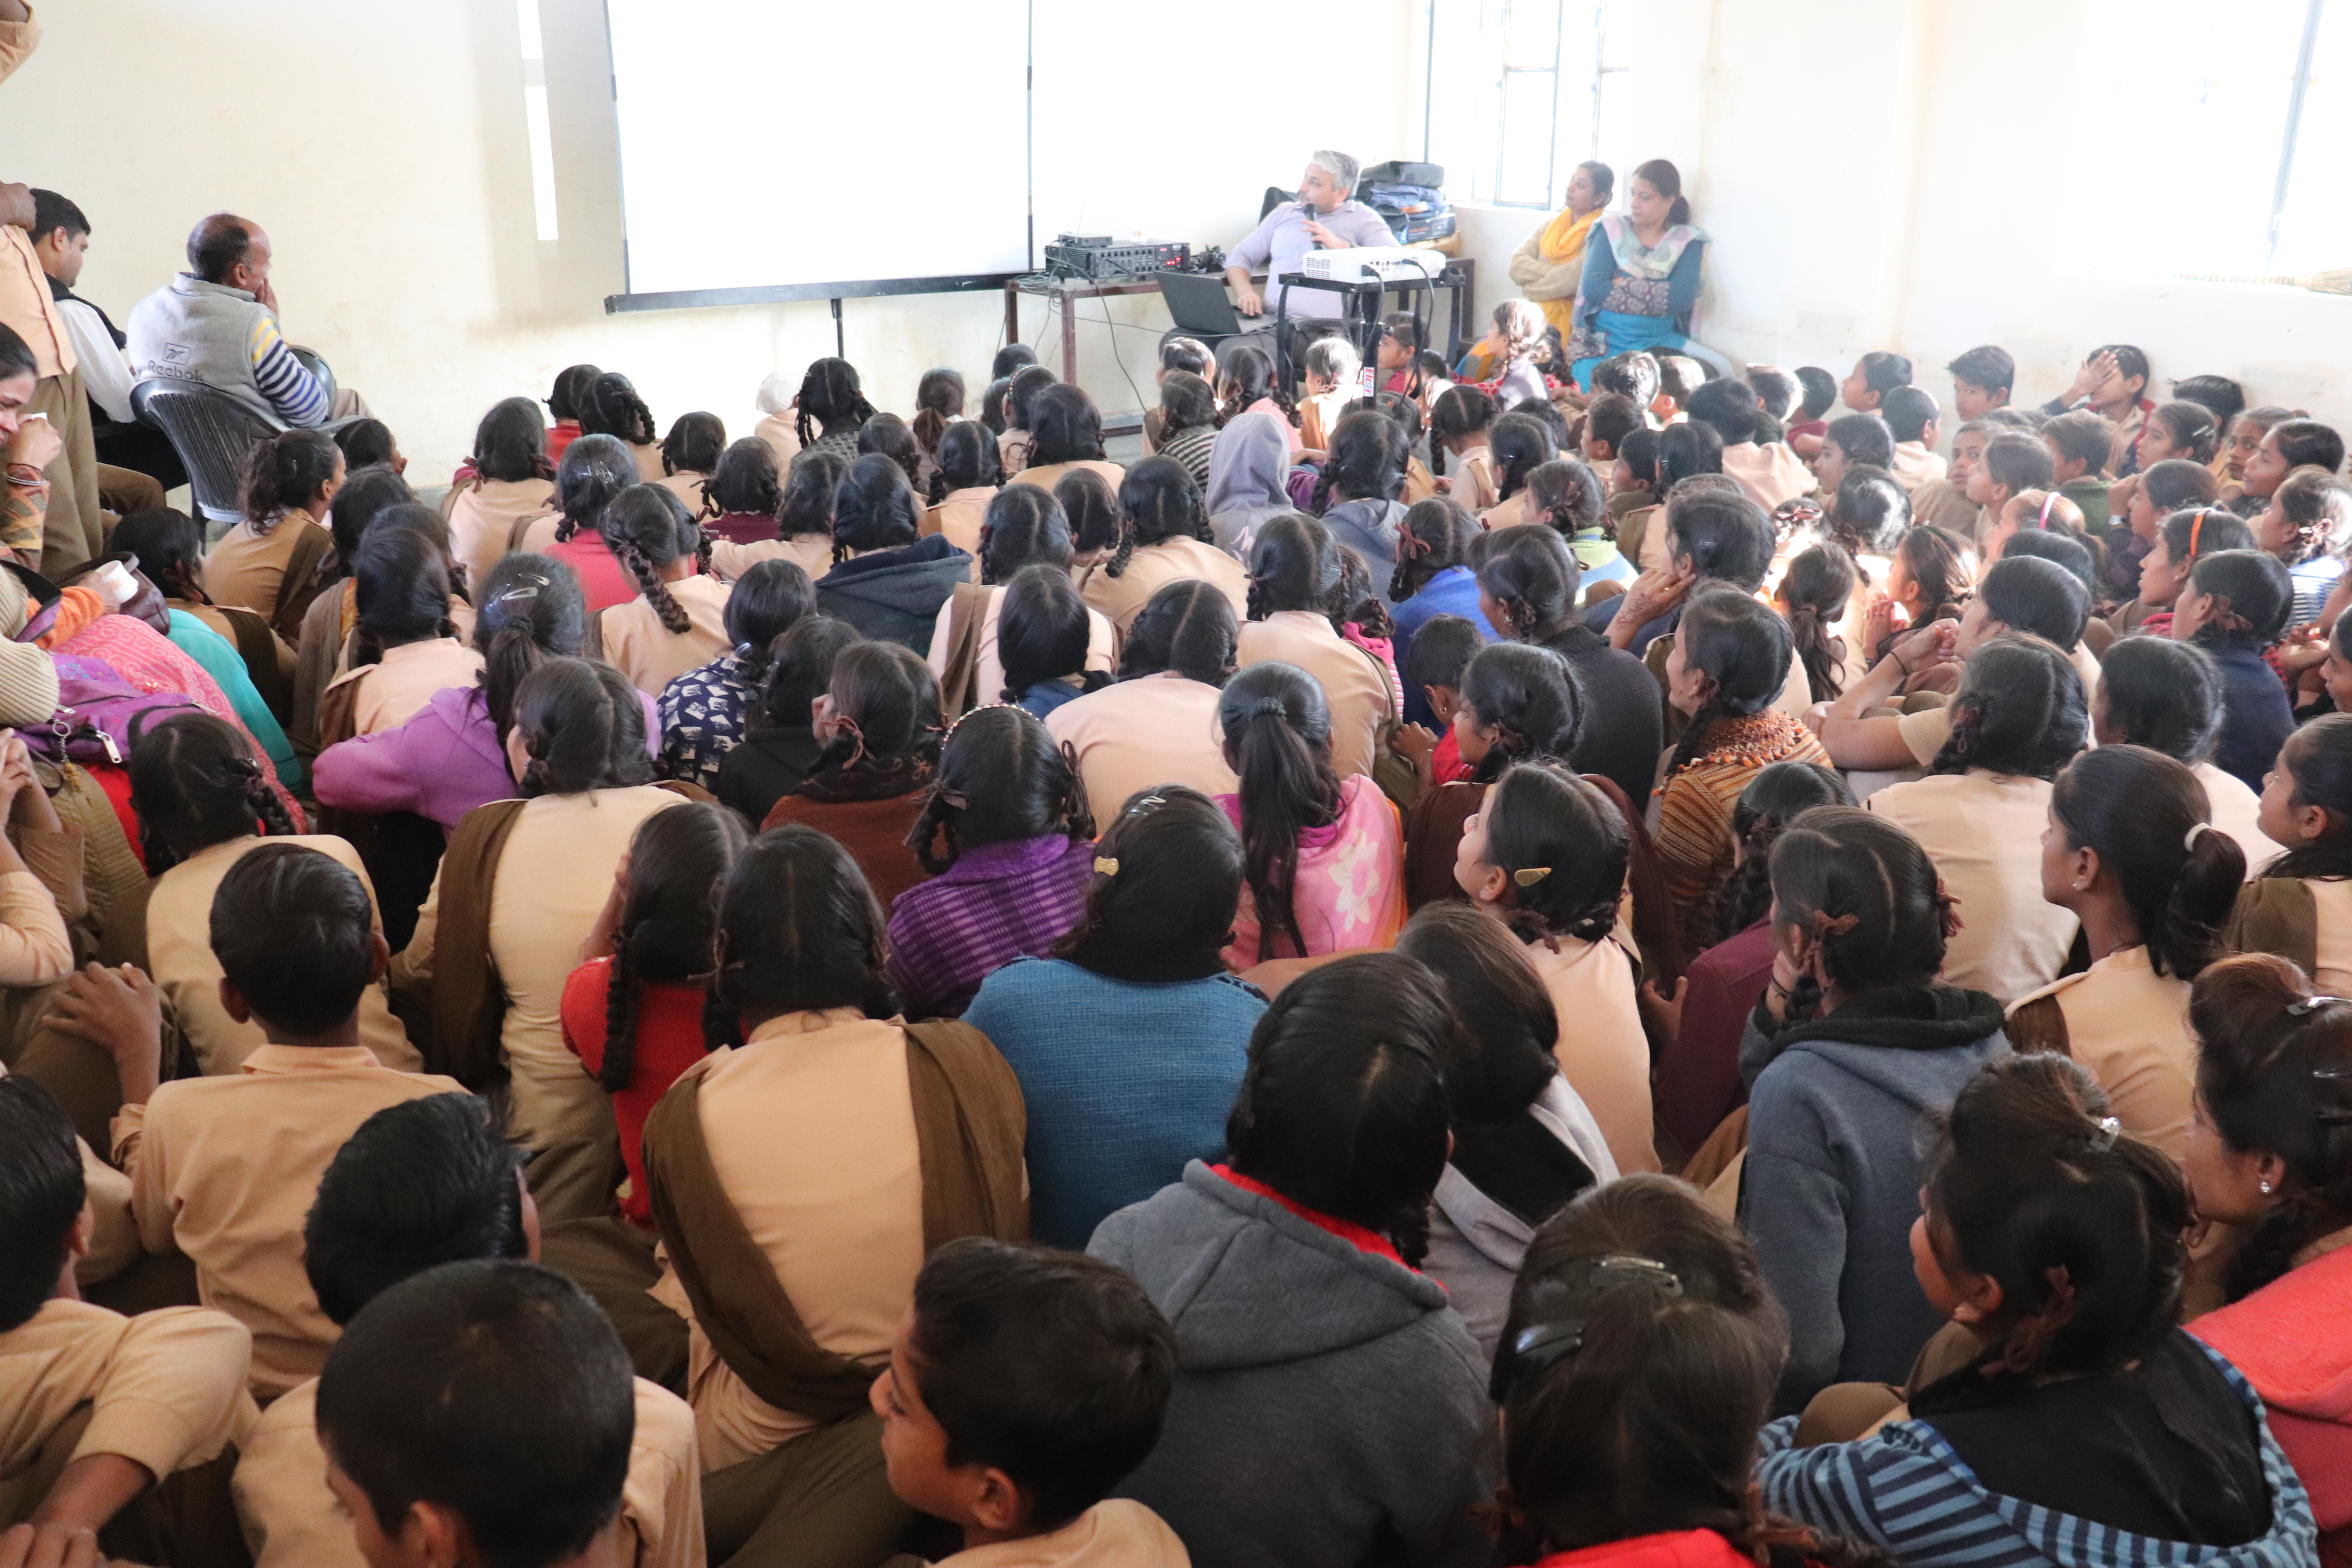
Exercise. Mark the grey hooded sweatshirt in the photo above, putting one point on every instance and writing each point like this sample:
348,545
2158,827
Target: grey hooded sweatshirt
1329,1410
1832,1180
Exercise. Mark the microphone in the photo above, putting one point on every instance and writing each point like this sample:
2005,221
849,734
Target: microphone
1307,211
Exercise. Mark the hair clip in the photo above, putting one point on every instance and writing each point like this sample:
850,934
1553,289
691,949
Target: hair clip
2309,1004
2104,1139
2195,831
1105,866
1539,1349
2196,527
1528,876
2048,501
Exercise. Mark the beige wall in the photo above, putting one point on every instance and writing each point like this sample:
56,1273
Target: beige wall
383,149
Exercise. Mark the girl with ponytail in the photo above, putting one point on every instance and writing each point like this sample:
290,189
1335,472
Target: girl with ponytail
679,621
451,756
287,483
203,798
1157,723
2271,1151
1019,848
704,711
2132,852
2053,1238
1356,494
594,470
611,406
879,725
1164,537
635,1012
1813,595
1730,658
1323,856
1298,603
1547,854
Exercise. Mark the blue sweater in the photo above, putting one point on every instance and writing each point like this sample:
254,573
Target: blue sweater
1125,1082
1452,591
2256,717
226,667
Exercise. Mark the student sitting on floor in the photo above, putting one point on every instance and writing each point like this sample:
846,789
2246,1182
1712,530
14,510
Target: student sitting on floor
1022,1388
109,1405
418,1186
224,1168
678,621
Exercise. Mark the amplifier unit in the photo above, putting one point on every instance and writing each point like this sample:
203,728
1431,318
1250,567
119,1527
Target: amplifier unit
1096,258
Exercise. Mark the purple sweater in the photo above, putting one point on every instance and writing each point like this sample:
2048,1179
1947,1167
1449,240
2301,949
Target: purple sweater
997,902
442,764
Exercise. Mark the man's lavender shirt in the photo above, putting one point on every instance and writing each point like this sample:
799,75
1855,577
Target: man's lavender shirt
1280,243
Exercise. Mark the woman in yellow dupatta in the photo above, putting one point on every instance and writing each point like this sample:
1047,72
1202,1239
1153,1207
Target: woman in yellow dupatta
1550,265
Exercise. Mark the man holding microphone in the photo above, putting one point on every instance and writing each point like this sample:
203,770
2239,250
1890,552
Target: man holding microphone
1326,216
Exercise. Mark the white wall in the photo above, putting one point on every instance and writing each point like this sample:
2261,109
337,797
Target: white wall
384,152
1906,175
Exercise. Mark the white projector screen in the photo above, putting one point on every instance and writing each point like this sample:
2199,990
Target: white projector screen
764,143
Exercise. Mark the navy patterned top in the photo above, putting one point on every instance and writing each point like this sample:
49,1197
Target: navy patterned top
702,718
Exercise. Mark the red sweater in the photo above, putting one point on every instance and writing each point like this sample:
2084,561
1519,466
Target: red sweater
2292,1339
1675,1549
669,1041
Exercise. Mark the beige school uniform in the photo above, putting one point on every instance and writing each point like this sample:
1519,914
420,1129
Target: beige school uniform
1102,643
1354,684
2086,666
1153,730
398,689
1915,466
1155,566
1047,476
651,655
2331,902
1602,1052
180,949
1118,1533
686,487
1318,415
165,1390
1983,832
959,515
552,881
2129,1026
225,1169
291,1520
812,553
811,1129
776,430
1939,501
1768,474
1518,509
1473,473
649,462
2237,811
482,518
245,569
1013,450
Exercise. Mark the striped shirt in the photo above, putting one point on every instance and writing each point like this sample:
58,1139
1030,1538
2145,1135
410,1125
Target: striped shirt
1909,1491
997,902
291,389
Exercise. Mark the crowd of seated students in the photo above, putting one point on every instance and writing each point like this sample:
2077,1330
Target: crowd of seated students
1612,961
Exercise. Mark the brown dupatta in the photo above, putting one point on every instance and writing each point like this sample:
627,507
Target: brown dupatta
970,1125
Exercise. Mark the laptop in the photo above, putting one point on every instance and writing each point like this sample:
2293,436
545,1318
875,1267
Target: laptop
1197,304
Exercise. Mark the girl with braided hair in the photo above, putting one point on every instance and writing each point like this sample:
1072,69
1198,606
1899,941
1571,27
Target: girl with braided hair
451,756
1157,724
1513,702
1519,444
1702,1016
1729,659
1337,1140
2084,1413
879,725
2271,1151
1356,493
939,402
831,408
1856,1036
690,455
1019,398
203,799
595,469
1097,528
801,532
1460,422
611,406
744,495
889,435
1298,600
1247,385
1433,577
1164,537
1065,433
679,622
1546,853
634,1011
2235,607
969,470
1323,856
888,579
407,650
2017,719
704,712
1021,527
1019,849
1639,1297
509,477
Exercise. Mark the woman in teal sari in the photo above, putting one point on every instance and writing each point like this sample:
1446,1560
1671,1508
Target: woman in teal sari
1641,276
